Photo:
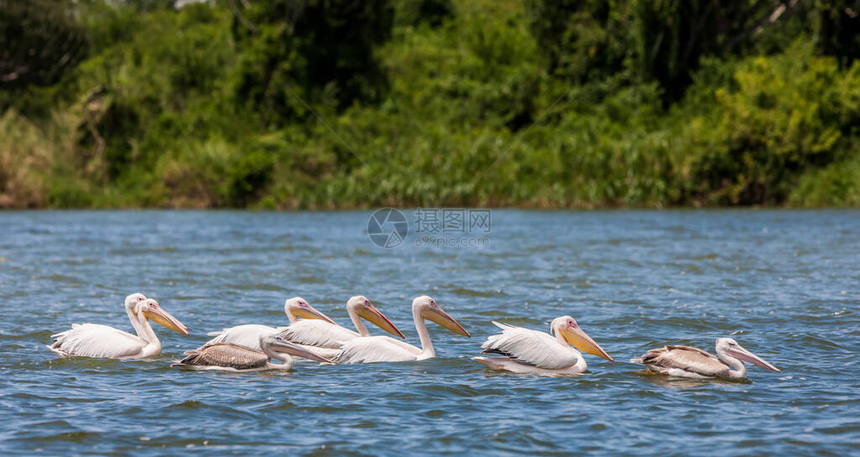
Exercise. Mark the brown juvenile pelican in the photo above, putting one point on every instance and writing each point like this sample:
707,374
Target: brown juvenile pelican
95,340
248,335
232,357
325,339
690,362
387,349
533,352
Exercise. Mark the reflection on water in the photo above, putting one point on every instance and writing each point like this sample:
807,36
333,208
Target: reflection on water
674,382
635,280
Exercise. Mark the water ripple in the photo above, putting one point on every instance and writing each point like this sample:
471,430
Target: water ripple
634,280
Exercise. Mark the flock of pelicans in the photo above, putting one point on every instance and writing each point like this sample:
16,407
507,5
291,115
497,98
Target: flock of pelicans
318,338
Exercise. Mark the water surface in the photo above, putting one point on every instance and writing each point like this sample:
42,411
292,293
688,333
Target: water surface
783,283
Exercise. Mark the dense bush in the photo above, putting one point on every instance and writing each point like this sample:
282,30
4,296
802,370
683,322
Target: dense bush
324,104
783,116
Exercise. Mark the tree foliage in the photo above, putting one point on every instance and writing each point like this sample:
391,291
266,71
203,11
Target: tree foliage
39,42
342,103
316,51
838,29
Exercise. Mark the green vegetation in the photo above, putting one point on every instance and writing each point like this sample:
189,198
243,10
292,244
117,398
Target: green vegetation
347,103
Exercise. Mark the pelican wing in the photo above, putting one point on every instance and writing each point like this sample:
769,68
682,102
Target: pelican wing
376,349
96,340
226,355
247,335
319,333
531,347
684,358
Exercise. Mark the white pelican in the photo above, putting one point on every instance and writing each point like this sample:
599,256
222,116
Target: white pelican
232,357
325,338
248,335
690,362
533,352
387,349
94,340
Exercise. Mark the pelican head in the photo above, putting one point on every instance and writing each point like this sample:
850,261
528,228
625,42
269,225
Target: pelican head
273,345
567,327
731,348
132,300
365,309
298,307
150,309
427,308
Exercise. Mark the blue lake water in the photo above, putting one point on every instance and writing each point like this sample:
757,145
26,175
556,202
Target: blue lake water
784,284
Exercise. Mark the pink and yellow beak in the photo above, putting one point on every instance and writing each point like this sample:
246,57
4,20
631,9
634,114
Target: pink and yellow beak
163,318
580,340
373,315
306,311
442,318
281,345
742,354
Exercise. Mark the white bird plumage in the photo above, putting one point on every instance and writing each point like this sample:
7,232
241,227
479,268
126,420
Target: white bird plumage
326,339
524,350
386,349
96,340
248,335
